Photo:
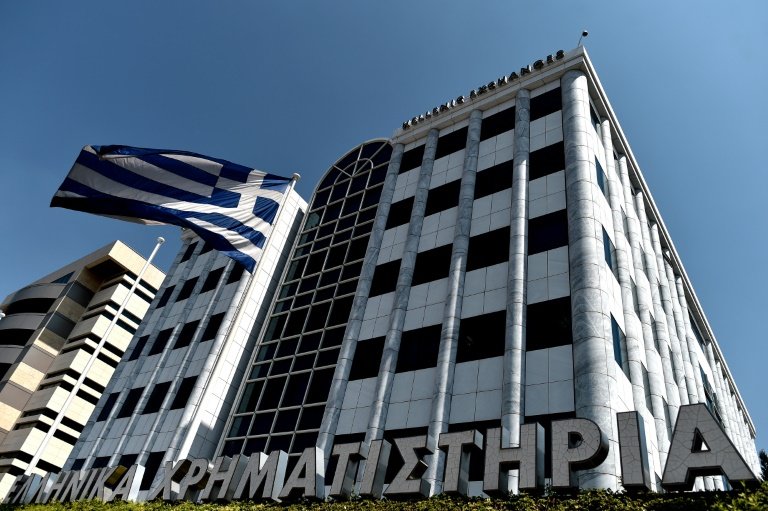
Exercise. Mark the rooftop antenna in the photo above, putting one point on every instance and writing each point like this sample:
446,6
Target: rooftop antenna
584,33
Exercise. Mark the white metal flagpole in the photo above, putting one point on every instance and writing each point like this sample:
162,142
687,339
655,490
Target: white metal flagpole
59,416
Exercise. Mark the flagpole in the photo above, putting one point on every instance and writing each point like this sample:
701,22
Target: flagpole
59,416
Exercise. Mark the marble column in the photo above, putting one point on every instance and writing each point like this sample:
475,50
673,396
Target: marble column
719,482
662,332
681,309
386,376
449,334
635,352
677,336
657,386
513,388
594,385
352,330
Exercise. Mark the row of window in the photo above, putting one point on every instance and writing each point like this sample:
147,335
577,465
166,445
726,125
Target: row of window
544,233
493,125
183,339
446,196
154,401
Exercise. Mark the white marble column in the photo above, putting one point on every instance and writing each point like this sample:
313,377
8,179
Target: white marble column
677,336
449,334
662,333
635,351
513,389
678,299
594,386
719,482
352,330
386,376
657,386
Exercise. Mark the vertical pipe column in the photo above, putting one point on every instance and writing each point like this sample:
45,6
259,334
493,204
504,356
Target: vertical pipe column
633,337
449,335
352,330
656,384
719,481
593,383
378,417
677,336
513,390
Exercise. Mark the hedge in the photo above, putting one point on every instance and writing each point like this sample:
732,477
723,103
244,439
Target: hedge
600,500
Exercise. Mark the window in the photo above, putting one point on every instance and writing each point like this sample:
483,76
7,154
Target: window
399,213
188,253
546,160
367,359
647,388
213,327
497,123
609,252
411,159
385,278
129,405
419,348
443,197
547,232
432,265
547,103
548,324
139,347
183,392
185,336
186,290
155,399
236,274
488,249
481,337
109,403
602,179
494,179
212,280
165,296
619,347
452,142
160,341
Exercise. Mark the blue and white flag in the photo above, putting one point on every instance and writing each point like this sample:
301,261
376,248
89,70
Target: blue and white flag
229,206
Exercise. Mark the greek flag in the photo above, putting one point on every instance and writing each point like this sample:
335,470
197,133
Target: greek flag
229,206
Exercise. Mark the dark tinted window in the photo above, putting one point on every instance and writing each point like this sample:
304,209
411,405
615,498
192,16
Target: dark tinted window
385,278
155,399
186,334
400,212
367,359
160,341
165,296
139,347
131,400
451,143
432,265
186,290
213,327
548,324
546,160
418,349
546,103
481,337
443,197
108,405
497,123
188,252
494,179
547,232
488,249
212,279
183,392
412,159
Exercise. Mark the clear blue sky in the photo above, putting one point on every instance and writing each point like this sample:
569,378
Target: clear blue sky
290,86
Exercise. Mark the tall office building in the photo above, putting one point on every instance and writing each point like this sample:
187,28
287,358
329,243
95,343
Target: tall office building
513,270
172,394
498,262
51,329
